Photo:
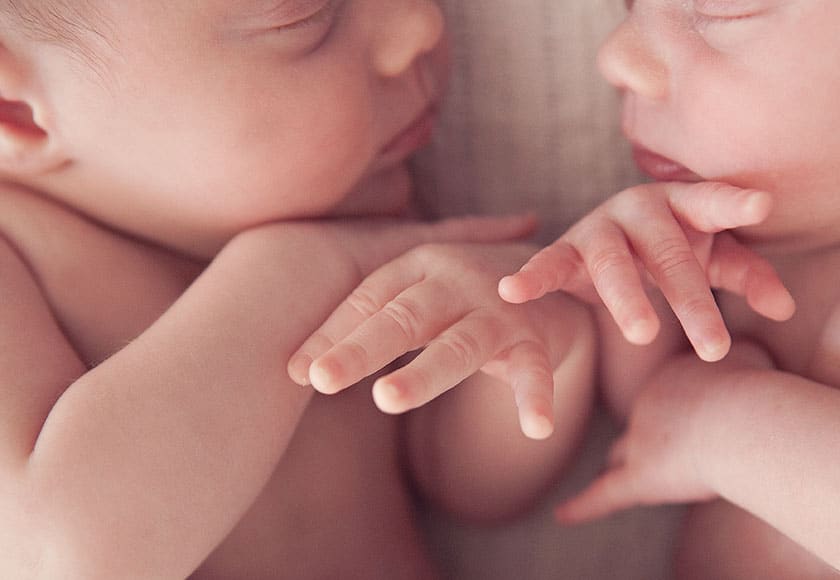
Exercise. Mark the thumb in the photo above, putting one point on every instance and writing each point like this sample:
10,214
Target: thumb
479,229
611,492
738,269
712,207
394,238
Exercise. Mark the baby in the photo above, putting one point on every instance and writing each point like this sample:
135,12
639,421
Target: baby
732,108
743,93
171,178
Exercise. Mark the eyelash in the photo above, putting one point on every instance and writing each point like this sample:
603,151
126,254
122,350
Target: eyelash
724,10
323,14
712,11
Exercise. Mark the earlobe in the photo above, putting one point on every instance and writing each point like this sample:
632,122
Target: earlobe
27,146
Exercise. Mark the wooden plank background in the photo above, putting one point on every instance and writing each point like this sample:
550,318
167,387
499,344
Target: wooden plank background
529,124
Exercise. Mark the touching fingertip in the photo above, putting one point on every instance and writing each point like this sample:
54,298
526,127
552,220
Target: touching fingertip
757,204
323,378
390,397
507,289
520,288
783,308
712,347
298,369
641,331
787,308
538,427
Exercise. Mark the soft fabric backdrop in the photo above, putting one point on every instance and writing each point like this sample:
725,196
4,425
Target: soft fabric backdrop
529,124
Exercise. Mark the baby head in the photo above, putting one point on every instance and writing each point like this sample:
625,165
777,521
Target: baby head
742,91
186,122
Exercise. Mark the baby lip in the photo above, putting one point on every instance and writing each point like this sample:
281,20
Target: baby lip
662,168
414,135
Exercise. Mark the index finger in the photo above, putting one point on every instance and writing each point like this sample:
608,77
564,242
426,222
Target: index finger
382,286
664,249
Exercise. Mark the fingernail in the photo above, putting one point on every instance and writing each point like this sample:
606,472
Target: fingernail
712,346
758,204
504,287
323,378
299,369
389,397
537,427
641,331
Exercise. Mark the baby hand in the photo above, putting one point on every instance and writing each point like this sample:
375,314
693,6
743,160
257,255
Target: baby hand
370,243
676,233
657,459
443,298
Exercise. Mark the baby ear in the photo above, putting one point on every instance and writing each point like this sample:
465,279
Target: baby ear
27,146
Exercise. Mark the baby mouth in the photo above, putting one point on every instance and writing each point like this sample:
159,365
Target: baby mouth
662,168
415,136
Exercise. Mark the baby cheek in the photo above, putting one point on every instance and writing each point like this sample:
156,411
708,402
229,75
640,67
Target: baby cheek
726,138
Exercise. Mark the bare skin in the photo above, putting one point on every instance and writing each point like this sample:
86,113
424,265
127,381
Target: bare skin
324,478
757,428
341,479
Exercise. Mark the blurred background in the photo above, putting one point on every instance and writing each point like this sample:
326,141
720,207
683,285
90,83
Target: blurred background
528,124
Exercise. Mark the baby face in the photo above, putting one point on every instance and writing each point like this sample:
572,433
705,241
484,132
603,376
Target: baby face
200,119
743,91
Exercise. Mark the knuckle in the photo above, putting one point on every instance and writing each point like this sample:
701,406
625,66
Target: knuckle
363,302
605,260
406,315
355,351
463,347
695,307
671,256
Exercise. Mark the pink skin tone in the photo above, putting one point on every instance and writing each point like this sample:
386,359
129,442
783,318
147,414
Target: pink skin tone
237,76
443,298
668,234
732,104
213,135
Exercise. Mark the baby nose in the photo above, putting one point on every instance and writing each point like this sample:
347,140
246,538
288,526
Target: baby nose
408,30
629,63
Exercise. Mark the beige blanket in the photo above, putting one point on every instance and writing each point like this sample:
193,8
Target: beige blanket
529,124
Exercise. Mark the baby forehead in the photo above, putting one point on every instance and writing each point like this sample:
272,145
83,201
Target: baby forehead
62,22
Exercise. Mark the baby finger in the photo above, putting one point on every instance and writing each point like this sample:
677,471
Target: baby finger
531,378
404,324
738,269
366,300
615,275
456,354
550,269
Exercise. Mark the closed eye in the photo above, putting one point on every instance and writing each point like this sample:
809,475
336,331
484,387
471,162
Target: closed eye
311,14
727,9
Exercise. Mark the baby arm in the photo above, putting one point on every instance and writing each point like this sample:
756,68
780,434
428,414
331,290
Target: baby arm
676,235
139,467
537,358
762,439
